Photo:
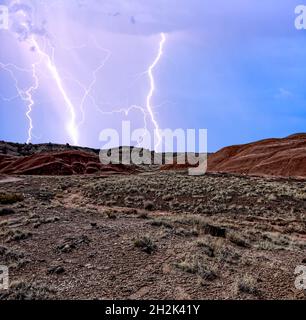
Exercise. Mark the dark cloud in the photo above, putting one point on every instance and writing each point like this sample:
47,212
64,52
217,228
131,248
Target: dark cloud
23,22
235,18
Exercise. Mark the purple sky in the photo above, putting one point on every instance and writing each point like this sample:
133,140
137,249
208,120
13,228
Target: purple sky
236,68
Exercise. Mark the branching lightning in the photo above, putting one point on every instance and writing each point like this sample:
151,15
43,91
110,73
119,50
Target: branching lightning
148,110
29,93
152,87
25,95
72,126
93,83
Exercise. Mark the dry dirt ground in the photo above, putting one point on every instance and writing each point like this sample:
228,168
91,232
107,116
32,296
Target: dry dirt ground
157,235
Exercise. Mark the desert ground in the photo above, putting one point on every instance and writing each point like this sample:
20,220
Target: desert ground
152,235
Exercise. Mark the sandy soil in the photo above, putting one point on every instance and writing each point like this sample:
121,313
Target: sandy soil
9,179
159,235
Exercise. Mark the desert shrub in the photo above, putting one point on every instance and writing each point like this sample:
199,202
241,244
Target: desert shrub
111,214
206,248
167,198
27,291
10,198
8,255
214,231
161,223
6,212
149,205
142,215
226,255
146,244
266,246
187,232
197,265
16,235
247,285
275,241
187,266
131,211
237,239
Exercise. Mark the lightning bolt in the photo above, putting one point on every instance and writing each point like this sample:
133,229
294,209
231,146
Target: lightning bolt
148,110
25,95
125,111
88,90
29,93
71,125
152,87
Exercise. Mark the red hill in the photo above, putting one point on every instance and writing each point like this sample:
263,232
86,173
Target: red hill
272,157
57,163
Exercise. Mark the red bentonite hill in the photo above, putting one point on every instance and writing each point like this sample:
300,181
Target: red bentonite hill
57,163
272,157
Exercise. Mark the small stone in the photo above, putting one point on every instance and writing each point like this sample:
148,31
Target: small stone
66,248
56,270
37,225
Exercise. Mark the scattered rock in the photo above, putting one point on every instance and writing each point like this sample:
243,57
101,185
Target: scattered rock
72,243
56,270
